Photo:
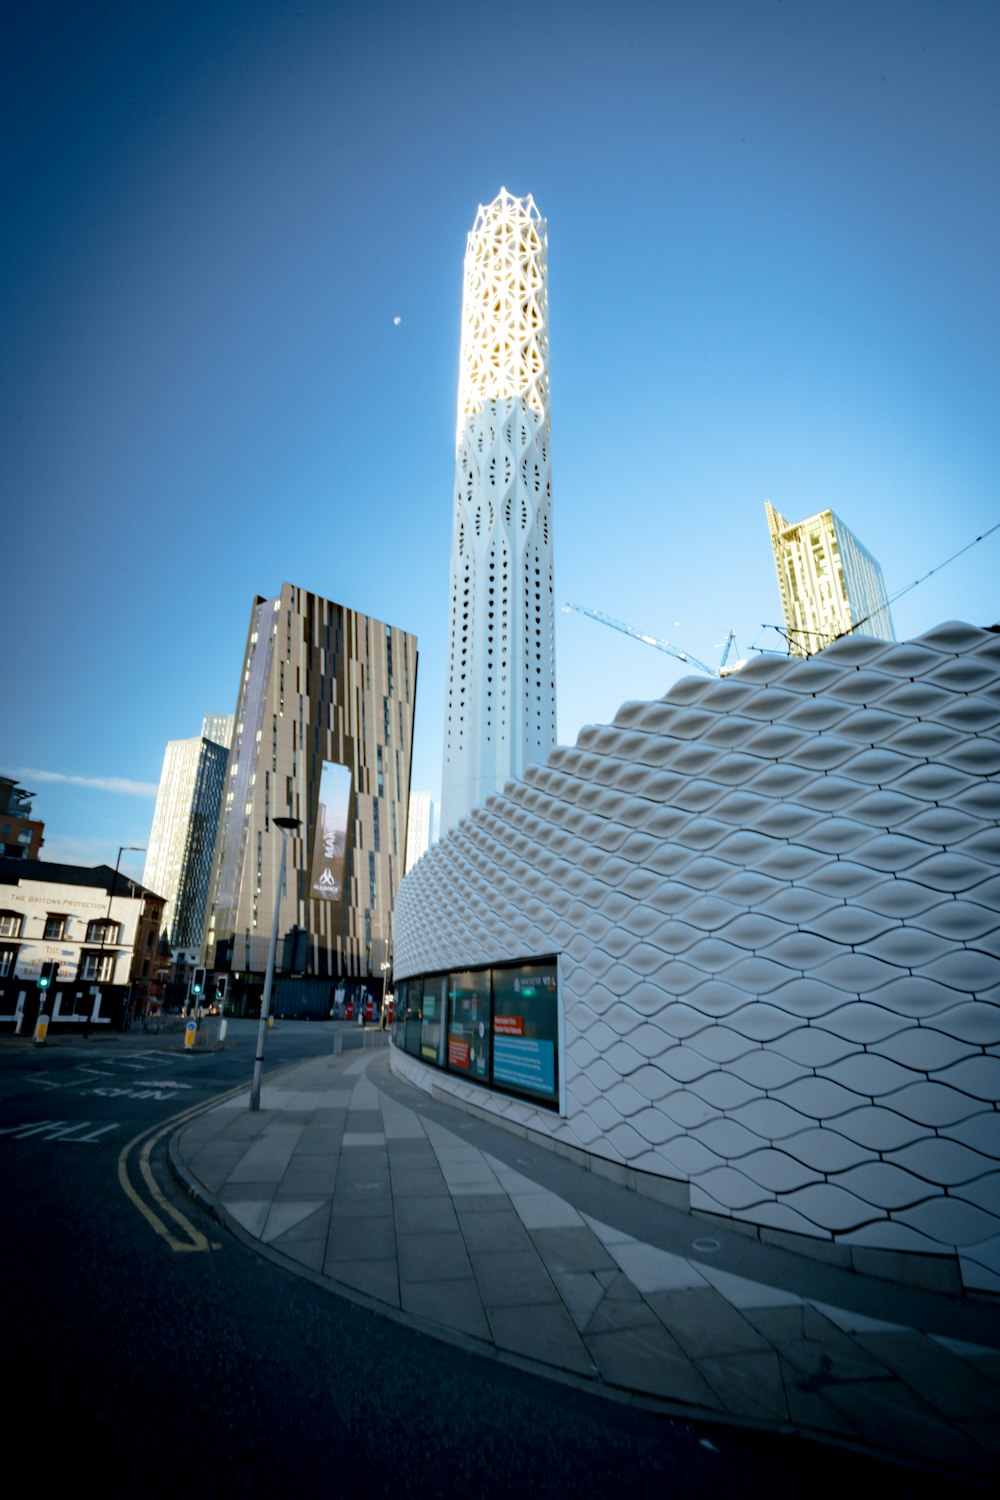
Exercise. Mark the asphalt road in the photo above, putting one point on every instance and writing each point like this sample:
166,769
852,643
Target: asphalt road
146,1365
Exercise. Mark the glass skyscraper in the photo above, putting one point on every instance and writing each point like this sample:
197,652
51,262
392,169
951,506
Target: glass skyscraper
182,839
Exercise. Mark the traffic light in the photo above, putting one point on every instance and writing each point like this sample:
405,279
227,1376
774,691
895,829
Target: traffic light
220,986
47,973
198,984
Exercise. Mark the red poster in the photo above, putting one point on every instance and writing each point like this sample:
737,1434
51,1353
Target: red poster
458,1053
508,1025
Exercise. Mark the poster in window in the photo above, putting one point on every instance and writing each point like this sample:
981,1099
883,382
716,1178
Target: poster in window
431,1027
332,822
468,1041
525,1029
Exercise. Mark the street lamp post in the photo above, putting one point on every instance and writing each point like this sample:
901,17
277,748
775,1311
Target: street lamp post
287,826
385,966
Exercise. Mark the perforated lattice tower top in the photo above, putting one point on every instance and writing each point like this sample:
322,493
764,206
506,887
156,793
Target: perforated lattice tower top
500,708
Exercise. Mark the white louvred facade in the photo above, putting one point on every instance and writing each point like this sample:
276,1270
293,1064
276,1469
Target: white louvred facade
775,902
500,706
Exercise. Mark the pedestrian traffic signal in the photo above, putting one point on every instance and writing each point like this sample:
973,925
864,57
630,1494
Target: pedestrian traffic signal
47,973
198,983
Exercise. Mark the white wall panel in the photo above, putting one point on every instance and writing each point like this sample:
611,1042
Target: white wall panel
777,905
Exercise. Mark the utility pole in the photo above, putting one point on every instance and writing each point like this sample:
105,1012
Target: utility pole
287,825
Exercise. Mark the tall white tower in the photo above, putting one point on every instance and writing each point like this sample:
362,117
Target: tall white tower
500,713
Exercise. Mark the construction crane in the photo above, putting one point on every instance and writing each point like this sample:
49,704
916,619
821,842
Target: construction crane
741,661
650,640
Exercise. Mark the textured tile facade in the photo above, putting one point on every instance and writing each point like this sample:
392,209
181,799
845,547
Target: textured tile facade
775,902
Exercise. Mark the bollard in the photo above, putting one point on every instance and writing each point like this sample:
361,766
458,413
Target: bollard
222,1029
41,1029
190,1033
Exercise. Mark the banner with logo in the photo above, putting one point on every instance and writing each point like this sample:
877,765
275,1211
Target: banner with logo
332,822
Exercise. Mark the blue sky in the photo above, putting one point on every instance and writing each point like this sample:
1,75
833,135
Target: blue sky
773,245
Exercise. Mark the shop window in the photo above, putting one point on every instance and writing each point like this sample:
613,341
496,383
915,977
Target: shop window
525,1030
399,1012
432,1019
412,1017
469,1024
500,1026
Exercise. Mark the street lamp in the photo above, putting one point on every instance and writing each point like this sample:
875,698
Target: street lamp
287,826
385,966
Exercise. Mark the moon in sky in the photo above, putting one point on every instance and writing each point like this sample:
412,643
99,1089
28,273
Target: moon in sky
397,320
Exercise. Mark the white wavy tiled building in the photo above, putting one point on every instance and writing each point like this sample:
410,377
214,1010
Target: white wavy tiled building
774,901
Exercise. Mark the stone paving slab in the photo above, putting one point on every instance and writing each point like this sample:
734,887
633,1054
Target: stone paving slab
704,1323
422,1182
427,1215
351,1174
454,1305
494,1230
436,1255
545,1333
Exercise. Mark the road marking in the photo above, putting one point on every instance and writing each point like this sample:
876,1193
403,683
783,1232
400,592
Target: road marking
195,1241
133,1089
135,1092
59,1130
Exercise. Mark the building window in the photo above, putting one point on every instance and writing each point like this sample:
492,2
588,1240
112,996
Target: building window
97,966
104,932
8,961
499,1027
469,1024
55,928
432,1031
11,923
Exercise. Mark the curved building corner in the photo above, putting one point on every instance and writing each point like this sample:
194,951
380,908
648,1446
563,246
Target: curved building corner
743,944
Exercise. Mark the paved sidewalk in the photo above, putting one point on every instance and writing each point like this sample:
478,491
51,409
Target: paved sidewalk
461,1227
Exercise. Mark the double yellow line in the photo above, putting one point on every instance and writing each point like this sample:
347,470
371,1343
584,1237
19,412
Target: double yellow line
193,1239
